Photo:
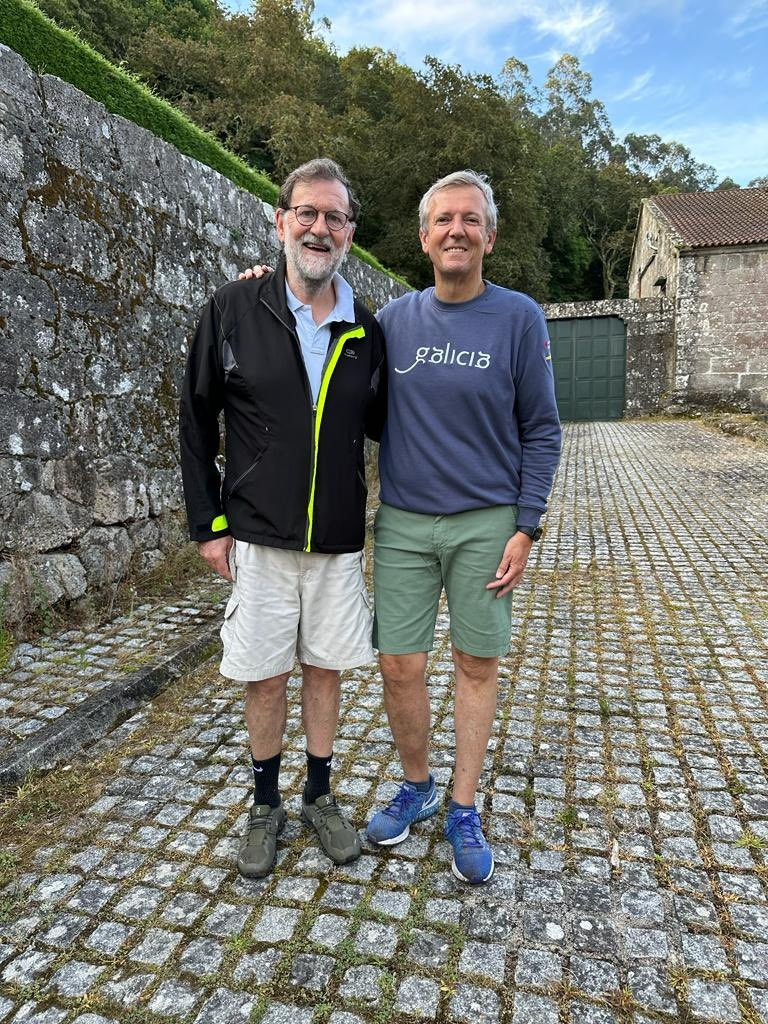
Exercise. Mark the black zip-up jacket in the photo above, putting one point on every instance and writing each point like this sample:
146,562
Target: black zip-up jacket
295,474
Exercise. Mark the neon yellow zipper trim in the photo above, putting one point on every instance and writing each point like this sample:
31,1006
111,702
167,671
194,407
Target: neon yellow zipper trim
358,332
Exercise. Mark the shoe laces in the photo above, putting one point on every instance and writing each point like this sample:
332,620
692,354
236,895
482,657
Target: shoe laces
401,801
467,824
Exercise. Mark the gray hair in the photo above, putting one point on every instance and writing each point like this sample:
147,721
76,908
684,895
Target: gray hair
320,169
452,181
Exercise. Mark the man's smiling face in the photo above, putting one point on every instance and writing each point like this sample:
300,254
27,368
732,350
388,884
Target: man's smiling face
315,253
457,237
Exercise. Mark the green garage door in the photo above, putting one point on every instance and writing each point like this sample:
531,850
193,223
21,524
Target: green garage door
588,359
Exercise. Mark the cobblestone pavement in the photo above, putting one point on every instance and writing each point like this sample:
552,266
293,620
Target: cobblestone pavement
625,791
47,681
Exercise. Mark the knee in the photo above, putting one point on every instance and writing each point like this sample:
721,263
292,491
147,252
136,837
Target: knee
266,692
480,671
401,671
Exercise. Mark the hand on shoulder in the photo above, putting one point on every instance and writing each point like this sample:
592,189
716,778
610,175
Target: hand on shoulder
254,273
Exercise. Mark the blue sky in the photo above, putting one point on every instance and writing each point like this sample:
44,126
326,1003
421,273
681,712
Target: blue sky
686,70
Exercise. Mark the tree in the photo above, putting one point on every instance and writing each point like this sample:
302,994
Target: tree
669,164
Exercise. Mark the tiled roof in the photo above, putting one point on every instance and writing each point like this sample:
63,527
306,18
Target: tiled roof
735,216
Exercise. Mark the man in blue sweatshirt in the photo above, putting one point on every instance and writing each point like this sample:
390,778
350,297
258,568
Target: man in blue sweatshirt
467,460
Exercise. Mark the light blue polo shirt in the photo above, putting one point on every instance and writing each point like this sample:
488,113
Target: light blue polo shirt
315,338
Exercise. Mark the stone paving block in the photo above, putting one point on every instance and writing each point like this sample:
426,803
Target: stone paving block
139,903
473,1005
64,929
393,904
276,1013
538,968
751,920
751,960
645,944
713,1000
362,984
226,1007
651,988
26,967
595,977
257,968
429,949
486,959
329,930
201,956
534,1009
31,1013
490,922
758,998
126,988
296,890
174,998
418,997
156,947
276,924
109,937
588,1013
227,919
376,939
310,971
184,909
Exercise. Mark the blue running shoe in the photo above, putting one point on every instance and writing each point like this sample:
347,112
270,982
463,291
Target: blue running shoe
393,824
472,856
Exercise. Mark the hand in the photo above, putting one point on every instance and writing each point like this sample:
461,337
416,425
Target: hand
512,565
216,554
254,273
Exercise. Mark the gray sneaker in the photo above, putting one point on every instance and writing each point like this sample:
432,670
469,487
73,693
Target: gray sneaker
337,836
259,844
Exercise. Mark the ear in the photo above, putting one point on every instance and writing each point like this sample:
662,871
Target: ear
489,242
350,236
423,238
279,219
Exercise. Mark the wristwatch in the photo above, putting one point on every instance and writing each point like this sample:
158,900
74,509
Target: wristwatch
530,531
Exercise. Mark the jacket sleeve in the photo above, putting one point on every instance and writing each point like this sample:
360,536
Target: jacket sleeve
376,412
202,399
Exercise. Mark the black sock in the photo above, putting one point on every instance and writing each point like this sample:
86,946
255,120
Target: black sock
318,777
265,776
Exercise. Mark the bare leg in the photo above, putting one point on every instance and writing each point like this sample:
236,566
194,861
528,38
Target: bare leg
407,704
477,682
320,693
265,713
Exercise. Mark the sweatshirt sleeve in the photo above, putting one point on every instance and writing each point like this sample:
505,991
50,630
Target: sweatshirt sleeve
202,399
538,421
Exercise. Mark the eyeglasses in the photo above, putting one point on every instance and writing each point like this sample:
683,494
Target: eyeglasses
307,215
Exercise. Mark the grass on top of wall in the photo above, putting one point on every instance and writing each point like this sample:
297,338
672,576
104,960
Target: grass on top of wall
52,50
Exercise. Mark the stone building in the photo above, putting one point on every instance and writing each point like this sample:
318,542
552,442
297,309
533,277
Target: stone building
705,255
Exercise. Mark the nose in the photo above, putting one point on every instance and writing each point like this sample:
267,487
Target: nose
457,225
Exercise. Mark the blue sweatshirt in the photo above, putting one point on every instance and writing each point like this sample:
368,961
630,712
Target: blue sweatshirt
471,415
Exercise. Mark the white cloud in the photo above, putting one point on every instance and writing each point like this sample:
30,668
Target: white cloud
581,27
636,89
748,17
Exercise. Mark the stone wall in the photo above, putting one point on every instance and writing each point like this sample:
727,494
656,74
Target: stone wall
110,241
654,257
650,346
722,328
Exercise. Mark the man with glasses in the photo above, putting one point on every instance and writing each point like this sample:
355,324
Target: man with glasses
295,363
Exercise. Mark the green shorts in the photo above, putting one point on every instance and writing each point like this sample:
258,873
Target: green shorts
416,556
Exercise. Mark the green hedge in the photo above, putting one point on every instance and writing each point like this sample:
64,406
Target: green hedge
56,51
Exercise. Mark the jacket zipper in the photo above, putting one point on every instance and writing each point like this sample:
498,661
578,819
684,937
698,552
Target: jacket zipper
317,409
330,366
